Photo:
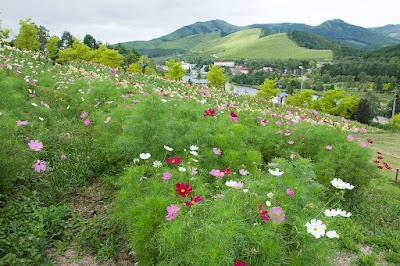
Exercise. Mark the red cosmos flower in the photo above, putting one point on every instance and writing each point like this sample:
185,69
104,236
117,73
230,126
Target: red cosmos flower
129,92
377,161
183,189
380,166
380,157
387,166
378,152
233,117
209,112
193,200
239,263
370,141
263,214
226,170
173,160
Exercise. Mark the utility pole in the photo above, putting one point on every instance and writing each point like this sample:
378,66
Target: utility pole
394,106
301,84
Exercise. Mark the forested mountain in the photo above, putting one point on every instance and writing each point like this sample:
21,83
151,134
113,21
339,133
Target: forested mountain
341,37
353,35
389,30
313,41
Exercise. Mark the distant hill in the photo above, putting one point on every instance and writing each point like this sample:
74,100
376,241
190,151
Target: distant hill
389,30
272,46
207,34
386,52
313,41
353,35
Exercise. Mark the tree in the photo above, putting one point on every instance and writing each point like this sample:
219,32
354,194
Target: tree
110,57
268,89
137,67
175,70
66,40
90,42
52,47
336,102
301,98
4,34
43,37
27,36
397,120
216,77
363,112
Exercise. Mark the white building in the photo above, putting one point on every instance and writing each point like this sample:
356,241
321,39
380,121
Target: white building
226,64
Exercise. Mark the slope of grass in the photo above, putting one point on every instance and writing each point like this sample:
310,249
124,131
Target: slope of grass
247,44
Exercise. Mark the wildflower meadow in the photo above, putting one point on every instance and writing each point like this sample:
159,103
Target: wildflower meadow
197,175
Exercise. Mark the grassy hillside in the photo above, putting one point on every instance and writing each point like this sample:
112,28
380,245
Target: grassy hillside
272,46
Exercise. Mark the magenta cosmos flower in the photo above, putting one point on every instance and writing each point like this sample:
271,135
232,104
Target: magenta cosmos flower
263,214
35,145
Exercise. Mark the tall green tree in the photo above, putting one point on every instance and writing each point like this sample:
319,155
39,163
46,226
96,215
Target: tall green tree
336,102
66,40
175,70
27,38
363,112
43,37
216,77
52,47
268,89
90,41
4,34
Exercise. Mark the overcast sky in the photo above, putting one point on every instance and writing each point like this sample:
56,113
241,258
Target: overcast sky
115,21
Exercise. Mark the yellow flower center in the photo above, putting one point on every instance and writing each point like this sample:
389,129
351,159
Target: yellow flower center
182,190
315,229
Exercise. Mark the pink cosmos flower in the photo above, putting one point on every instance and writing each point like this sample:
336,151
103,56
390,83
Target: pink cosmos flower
264,122
108,119
278,123
291,142
314,112
97,104
216,151
112,71
363,130
362,144
292,156
217,173
39,166
239,263
86,122
350,138
276,214
63,157
35,145
243,172
290,192
328,147
44,104
84,114
166,176
172,211
22,123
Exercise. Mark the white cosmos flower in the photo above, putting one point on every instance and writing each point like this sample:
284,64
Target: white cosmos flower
275,172
193,153
268,203
157,164
340,184
270,195
332,234
194,148
41,118
182,169
34,104
231,183
344,213
331,213
145,156
316,228
168,148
